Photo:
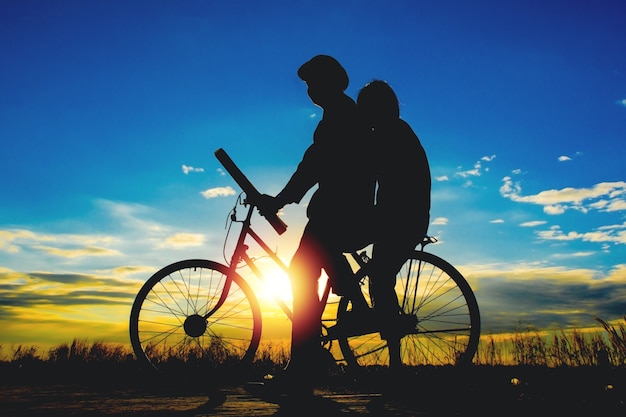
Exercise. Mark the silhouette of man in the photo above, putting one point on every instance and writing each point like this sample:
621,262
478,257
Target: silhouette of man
402,210
337,163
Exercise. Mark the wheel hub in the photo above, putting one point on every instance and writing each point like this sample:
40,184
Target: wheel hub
195,325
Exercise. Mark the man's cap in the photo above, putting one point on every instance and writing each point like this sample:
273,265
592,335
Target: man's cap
324,69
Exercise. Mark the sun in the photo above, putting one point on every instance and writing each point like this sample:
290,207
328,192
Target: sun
275,284
274,287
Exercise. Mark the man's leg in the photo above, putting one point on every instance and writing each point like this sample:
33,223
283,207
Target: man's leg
304,272
340,273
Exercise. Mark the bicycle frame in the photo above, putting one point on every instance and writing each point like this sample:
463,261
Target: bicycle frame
240,251
240,254
190,304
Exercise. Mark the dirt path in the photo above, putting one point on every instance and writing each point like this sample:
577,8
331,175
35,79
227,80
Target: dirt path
76,401
489,392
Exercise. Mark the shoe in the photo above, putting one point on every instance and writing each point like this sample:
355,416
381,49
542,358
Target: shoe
281,388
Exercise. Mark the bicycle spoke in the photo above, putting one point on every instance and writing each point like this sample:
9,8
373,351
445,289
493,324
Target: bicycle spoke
170,316
448,322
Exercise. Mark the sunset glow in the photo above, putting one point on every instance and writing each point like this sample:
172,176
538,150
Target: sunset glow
111,112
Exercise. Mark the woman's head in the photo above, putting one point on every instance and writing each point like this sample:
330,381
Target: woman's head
378,102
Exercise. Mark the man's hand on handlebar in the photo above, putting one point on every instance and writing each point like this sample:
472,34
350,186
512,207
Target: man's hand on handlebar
268,205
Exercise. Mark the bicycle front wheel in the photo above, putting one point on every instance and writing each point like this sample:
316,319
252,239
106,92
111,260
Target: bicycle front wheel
448,320
194,311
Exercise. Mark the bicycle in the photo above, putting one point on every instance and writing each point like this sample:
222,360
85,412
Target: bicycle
197,308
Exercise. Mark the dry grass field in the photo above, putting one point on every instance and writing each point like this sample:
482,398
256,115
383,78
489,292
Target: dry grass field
572,374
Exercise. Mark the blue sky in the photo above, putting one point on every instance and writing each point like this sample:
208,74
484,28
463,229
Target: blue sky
110,113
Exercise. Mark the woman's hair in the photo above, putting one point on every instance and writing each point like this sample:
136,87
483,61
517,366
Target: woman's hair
377,100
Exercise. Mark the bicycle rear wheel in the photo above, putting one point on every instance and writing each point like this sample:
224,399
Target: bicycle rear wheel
190,313
448,319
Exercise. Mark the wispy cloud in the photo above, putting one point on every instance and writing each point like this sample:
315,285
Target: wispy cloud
77,252
59,288
134,238
217,192
496,221
183,240
187,169
8,237
565,158
613,234
64,245
574,255
533,223
474,172
442,178
477,170
604,196
553,297
130,216
439,221
127,270
66,304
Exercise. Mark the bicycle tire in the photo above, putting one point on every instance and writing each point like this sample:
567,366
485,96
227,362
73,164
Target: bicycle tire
167,324
448,318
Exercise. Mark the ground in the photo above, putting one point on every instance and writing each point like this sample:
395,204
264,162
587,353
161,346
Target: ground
430,392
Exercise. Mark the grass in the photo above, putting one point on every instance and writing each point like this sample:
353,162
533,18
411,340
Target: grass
529,346
81,361
576,373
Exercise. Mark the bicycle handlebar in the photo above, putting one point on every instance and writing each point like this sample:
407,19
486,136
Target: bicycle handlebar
252,194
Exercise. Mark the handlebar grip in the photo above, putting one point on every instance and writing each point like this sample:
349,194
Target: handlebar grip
277,223
251,192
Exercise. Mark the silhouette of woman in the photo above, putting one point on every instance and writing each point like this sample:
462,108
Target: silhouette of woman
402,210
